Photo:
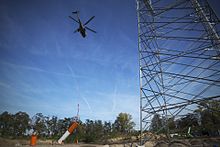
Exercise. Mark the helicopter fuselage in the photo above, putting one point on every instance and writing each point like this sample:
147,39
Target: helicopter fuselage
82,30
82,27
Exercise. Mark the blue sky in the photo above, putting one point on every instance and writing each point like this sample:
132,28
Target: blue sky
47,68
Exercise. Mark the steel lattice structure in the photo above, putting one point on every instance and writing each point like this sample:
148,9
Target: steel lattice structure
179,56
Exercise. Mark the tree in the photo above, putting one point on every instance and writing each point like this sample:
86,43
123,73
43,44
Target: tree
52,125
124,123
93,130
89,131
39,124
21,123
190,120
171,124
63,125
107,128
6,124
98,130
156,123
80,131
209,114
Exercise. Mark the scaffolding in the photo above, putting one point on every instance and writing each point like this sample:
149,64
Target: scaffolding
179,58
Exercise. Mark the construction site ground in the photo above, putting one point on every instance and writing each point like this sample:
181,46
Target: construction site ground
192,142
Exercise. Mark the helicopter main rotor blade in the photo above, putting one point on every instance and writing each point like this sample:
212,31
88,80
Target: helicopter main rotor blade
89,20
73,19
91,30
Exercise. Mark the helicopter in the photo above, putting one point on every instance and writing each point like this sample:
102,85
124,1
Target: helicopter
82,27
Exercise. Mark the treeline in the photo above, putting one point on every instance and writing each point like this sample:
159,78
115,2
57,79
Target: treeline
20,125
204,121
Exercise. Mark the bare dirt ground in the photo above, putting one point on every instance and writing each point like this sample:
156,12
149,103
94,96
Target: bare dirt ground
193,142
66,145
40,143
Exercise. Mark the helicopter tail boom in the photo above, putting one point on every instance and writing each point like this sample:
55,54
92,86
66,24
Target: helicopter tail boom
75,12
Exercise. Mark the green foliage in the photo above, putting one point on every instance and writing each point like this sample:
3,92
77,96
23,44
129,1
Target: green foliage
183,124
93,130
52,125
205,120
107,128
123,123
39,124
209,113
171,124
14,126
6,124
89,131
156,123
20,124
